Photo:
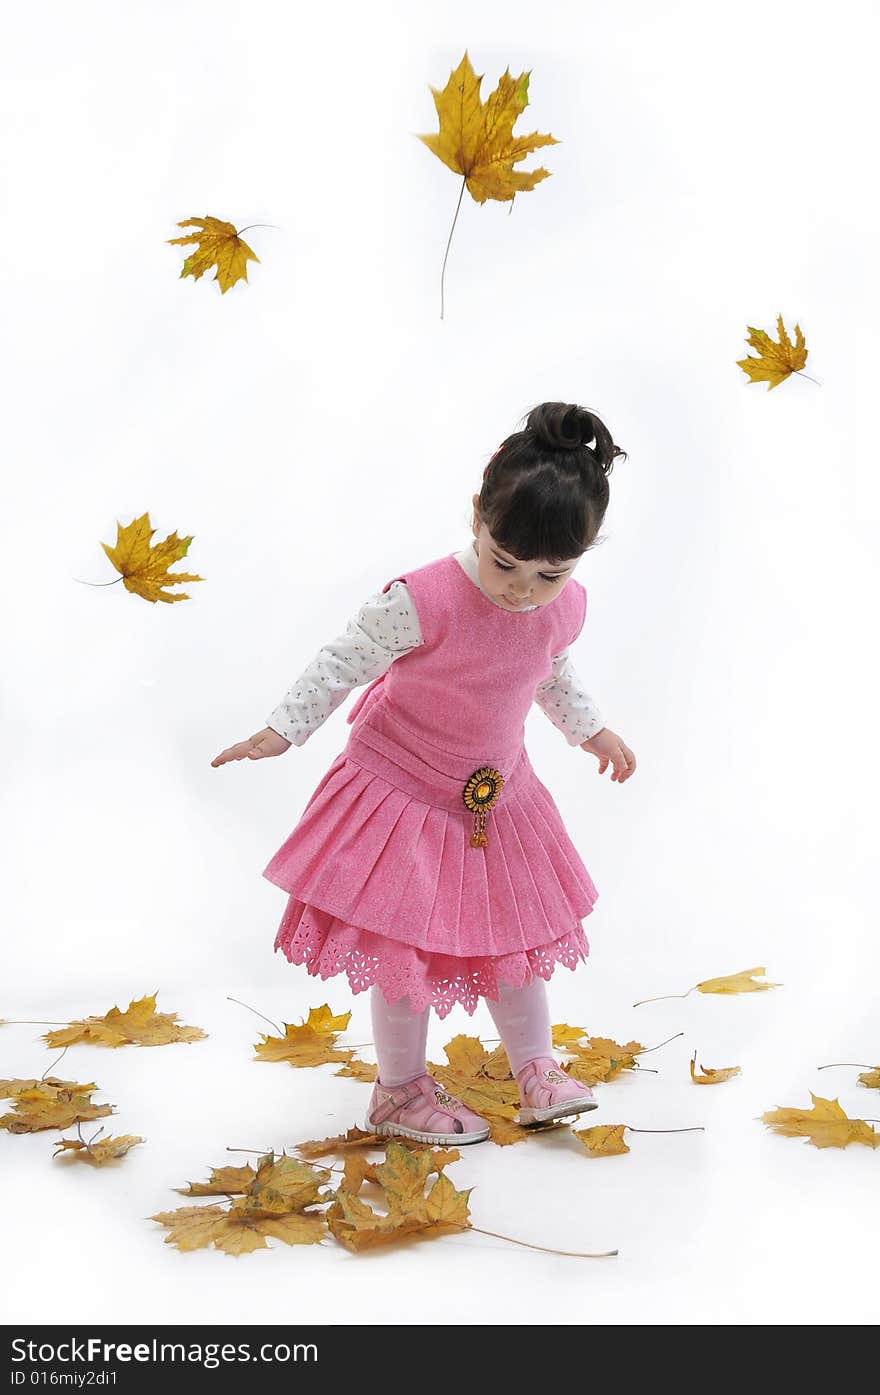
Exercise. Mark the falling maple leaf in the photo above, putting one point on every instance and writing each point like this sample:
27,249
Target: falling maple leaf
144,567
712,1077
273,1202
98,1154
139,1025
309,1043
218,245
775,361
476,139
732,983
826,1125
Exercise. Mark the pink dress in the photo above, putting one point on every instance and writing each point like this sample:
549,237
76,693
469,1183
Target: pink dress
384,884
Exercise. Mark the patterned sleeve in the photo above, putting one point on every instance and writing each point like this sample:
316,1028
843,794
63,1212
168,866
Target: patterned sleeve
567,703
385,627
563,697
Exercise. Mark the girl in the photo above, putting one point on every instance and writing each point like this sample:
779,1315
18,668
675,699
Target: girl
430,864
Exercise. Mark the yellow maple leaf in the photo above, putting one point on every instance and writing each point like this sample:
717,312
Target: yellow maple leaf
100,1153
196,1227
223,1180
603,1140
563,1034
736,983
479,1079
402,1177
309,1043
731,983
218,245
364,1071
340,1144
37,1108
144,567
9,1088
139,1025
775,361
826,1125
871,1078
712,1077
601,1059
476,139
273,1202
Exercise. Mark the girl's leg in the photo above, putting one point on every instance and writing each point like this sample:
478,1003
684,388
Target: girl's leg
399,1036
522,1016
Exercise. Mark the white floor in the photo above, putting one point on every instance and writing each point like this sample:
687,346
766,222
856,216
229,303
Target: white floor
731,1225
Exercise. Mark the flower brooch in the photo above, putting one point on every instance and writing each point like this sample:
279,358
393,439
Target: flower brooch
480,793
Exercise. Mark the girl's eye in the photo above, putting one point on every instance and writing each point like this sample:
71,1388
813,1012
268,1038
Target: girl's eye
502,568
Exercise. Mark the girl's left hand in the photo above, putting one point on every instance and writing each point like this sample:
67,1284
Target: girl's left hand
608,746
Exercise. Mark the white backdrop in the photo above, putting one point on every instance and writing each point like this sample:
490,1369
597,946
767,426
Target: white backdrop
321,429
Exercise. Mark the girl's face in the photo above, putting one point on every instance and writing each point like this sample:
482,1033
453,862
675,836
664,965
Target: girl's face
512,583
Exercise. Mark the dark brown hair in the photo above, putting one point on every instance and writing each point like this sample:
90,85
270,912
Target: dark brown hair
545,490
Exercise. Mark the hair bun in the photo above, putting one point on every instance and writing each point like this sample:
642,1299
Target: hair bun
566,426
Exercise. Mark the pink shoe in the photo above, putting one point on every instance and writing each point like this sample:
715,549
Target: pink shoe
423,1110
546,1092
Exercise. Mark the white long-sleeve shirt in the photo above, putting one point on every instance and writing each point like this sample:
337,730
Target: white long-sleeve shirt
386,626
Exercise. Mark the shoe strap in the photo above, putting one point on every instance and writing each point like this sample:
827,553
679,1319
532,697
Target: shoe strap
398,1095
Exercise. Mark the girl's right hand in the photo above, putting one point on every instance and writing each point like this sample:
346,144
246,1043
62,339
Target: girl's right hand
263,743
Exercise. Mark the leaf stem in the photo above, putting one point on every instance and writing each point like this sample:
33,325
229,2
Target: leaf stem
97,583
53,1063
230,999
859,1065
546,1249
659,1044
663,998
696,1128
34,1021
247,227
801,374
449,239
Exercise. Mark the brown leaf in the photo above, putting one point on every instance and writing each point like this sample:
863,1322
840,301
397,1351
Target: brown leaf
713,1077
99,1153
601,1060
403,1178
39,1108
222,1180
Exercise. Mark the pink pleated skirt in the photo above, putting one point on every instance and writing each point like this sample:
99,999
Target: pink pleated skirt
384,887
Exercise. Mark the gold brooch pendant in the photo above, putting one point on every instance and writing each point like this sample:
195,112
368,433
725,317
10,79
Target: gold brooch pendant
480,793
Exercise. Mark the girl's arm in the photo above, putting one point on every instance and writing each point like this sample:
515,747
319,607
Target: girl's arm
567,703
385,627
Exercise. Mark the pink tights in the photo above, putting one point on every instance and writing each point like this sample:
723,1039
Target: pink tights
521,1015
